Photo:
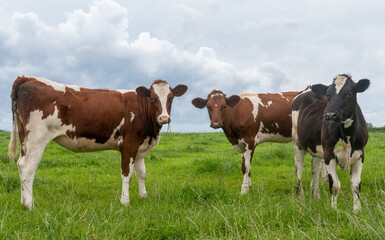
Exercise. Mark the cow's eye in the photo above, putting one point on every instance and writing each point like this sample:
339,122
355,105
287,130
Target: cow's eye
209,108
170,100
349,95
152,99
223,107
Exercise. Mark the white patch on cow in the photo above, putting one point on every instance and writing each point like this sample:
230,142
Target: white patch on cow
246,178
342,151
348,122
216,95
261,137
256,101
162,90
319,152
145,147
269,103
276,124
56,86
123,91
125,198
340,82
294,121
303,92
50,127
284,97
132,116
216,105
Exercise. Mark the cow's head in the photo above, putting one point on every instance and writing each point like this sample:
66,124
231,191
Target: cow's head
216,104
342,98
161,96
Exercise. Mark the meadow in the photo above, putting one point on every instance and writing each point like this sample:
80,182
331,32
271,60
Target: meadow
193,184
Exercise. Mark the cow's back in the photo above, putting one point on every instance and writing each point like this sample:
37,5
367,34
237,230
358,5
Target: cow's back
77,117
263,117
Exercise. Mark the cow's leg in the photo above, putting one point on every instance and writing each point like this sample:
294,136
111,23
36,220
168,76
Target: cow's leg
334,182
127,171
140,171
355,183
315,169
27,166
299,164
247,156
324,172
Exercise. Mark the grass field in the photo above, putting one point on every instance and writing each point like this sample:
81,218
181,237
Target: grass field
193,184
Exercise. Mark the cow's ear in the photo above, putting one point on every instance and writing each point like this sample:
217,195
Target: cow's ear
319,89
199,102
143,92
362,85
179,90
233,100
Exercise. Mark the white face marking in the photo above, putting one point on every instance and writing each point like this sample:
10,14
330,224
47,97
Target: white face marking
216,94
132,116
216,105
340,82
162,90
56,86
348,122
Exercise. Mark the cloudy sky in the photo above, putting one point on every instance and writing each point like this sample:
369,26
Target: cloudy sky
235,46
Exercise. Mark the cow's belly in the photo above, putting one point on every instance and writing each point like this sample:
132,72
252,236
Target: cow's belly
84,144
271,137
146,146
342,152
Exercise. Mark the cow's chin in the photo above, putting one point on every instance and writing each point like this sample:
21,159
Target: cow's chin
163,123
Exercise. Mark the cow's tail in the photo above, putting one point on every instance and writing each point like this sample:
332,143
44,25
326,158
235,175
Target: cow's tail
12,146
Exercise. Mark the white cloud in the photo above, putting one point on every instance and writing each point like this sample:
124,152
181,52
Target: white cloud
235,47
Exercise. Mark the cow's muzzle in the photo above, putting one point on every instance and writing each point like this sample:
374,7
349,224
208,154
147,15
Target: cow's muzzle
216,125
331,116
163,119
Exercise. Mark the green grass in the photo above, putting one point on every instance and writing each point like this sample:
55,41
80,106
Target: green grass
193,184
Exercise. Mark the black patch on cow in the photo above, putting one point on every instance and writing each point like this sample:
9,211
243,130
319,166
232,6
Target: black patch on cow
362,85
319,89
330,182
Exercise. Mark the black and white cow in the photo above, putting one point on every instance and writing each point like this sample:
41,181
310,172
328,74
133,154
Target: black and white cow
328,124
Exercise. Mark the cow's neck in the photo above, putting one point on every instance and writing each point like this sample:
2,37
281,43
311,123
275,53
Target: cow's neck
151,126
347,132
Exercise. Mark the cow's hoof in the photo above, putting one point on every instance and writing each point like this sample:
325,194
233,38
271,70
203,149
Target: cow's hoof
125,201
143,195
245,189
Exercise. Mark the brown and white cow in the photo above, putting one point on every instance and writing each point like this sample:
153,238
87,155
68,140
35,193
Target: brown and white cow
248,120
328,124
84,120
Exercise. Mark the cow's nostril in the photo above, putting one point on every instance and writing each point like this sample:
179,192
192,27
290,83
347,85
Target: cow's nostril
331,116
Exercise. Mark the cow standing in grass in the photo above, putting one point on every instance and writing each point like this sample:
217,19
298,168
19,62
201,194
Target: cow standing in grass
248,120
84,120
328,123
